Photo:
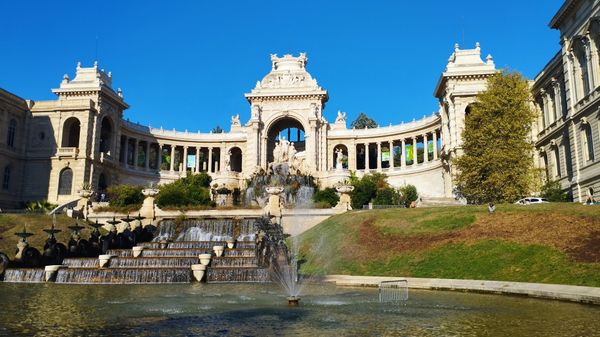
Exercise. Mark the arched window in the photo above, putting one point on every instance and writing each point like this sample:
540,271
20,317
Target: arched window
106,136
556,166
6,178
236,159
65,182
12,130
587,142
71,129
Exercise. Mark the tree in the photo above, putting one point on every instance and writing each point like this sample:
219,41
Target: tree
217,129
363,122
552,191
327,195
365,188
497,163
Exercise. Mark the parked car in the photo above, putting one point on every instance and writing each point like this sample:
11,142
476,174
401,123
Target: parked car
531,200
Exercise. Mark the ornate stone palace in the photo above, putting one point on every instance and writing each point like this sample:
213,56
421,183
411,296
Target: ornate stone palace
49,149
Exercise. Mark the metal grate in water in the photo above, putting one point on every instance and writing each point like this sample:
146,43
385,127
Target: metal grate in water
393,291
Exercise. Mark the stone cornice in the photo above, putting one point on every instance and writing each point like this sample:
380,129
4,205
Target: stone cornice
399,131
322,96
564,10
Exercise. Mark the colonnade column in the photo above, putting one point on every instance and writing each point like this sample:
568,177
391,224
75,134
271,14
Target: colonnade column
435,151
147,156
172,157
391,147
403,158
160,150
414,150
210,163
378,156
135,153
197,165
425,149
184,168
367,157
124,151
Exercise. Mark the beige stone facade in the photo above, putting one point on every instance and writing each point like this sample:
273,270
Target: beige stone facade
567,95
49,149
81,137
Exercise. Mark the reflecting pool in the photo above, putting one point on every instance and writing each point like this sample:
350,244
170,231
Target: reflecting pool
261,310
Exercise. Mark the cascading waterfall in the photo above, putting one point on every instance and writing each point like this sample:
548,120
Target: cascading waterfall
169,257
24,275
82,262
298,189
122,275
152,262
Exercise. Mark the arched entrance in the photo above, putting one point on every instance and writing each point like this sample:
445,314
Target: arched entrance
236,159
71,129
106,135
286,128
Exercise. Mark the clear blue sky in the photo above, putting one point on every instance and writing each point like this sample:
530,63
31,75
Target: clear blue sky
187,64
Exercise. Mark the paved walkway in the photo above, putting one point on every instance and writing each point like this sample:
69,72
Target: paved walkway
549,291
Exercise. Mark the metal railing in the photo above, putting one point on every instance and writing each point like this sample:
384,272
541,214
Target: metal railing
393,291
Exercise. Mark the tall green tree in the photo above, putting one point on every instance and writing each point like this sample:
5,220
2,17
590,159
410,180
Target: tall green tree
497,163
363,122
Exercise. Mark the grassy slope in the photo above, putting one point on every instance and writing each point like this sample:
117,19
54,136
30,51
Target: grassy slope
552,243
34,223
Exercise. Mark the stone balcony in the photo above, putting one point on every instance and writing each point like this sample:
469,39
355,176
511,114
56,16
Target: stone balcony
67,152
106,158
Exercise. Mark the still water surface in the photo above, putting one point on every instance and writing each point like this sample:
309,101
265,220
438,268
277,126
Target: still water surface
260,310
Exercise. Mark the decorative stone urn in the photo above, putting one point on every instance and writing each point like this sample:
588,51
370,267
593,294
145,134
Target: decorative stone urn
273,207
104,259
205,259
198,271
21,246
218,250
137,251
85,193
50,271
230,243
82,204
148,207
345,202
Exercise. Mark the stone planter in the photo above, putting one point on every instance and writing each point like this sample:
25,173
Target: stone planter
150,192
104,259
205,258
198,271
137,251
230,243
218,250
50,272
85,193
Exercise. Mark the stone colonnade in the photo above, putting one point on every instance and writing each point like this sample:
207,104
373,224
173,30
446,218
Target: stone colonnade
152,156
402,151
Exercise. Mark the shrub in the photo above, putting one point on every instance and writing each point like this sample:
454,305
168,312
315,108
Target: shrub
39,206
551,190
387,196
365,189
125,195
327,195
189,191
408,194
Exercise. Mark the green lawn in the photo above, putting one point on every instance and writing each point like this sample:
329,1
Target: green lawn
550,243
33,223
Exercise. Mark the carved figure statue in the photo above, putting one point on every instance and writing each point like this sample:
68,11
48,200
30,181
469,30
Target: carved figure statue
255,114
227,166
338,160
235,120
291,153
341,118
